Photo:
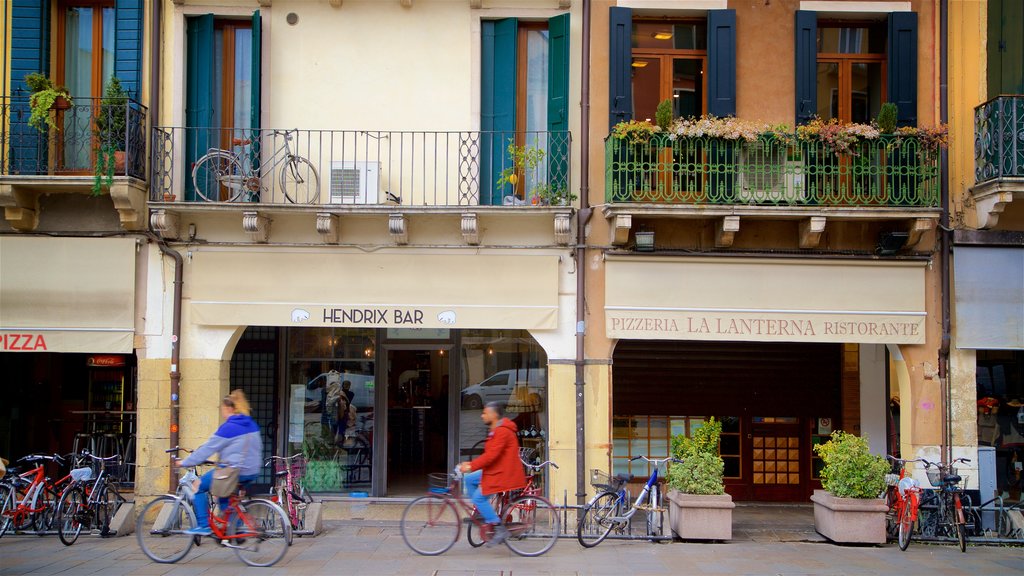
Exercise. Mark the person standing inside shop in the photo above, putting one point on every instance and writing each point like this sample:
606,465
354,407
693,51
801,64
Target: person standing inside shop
498,469
238,444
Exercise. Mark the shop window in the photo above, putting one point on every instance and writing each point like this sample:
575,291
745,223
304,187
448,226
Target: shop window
329,370
1000,385
651,436
506,366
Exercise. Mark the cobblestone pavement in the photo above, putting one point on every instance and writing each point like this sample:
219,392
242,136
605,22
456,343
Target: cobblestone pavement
367,548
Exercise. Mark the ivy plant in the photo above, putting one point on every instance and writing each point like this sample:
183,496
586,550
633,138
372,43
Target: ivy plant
702,469
851,470
44,94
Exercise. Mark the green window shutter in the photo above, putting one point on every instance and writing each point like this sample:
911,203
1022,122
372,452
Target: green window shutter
497,104
257,59
128,45
806,49
722,62
198,93
620,65
558,100
902,65
1005,47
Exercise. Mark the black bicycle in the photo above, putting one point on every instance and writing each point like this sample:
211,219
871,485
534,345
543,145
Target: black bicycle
942,512
87,502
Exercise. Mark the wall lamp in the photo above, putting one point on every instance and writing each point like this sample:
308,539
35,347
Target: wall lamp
890,243
645,241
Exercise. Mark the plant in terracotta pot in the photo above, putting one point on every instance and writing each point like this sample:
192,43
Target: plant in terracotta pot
525,159
699,508
44,96
850,508
111,123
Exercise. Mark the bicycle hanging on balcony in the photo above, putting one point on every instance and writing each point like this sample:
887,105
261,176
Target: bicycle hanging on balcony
240,171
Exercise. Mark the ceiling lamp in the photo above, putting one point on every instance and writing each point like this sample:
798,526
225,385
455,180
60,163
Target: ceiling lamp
662,35
639,63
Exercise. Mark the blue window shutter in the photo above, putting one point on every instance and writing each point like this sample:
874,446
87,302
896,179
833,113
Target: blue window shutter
620,65
902,66
29,52
198,92
128,45
497,103
806,49
558,99
722,62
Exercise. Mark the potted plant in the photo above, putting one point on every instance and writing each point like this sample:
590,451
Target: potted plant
110,126
552,195
850,509
524,159
45,96
323,472
699,508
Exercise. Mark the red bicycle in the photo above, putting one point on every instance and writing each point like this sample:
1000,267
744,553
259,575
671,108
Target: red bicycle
903,497
502,500
28,499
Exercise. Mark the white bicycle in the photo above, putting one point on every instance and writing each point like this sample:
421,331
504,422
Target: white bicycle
243,177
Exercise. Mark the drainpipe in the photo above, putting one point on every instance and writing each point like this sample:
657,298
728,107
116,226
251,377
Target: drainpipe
944,230
582,217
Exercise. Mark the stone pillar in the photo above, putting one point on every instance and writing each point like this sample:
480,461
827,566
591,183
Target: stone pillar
964,411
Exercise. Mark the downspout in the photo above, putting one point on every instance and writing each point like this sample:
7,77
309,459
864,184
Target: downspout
582,217
944,230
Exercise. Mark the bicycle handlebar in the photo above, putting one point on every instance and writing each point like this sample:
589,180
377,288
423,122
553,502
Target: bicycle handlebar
657,461
929,464
94,457
541,465
36,457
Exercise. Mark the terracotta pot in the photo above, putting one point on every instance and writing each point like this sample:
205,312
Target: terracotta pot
61,103
699,517
849,520
119,162
168,197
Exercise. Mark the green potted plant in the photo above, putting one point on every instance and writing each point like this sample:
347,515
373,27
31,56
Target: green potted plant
850,509
699,508
524,159
552,195
110,126
887,118
45,96
323,472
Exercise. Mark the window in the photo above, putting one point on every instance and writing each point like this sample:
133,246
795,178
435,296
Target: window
851,72
669,59
651,436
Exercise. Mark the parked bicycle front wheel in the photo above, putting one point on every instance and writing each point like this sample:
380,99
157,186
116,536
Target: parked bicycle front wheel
7,505
533,524
430,525
299,181
594,524
906,520
263,535
655,517
219,172
72,513
961,522
160,529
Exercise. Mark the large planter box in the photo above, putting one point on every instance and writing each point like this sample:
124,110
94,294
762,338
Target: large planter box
849,520
695,517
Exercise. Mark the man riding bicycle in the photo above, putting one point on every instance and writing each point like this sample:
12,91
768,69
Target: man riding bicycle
498,469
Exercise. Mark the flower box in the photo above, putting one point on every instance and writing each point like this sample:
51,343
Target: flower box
700,517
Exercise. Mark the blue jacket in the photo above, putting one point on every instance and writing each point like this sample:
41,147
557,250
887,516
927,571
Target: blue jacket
238,443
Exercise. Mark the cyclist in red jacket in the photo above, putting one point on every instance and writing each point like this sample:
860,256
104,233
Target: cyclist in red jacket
498,469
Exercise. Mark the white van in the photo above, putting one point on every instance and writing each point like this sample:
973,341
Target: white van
499,387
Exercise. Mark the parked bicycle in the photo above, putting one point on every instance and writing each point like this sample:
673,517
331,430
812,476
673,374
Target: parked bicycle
28,499
241,172
289,493
256,529
611,508
942,510
903,497
85,504
431,524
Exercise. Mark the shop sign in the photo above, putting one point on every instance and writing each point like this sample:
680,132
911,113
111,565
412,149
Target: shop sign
105,361
23,343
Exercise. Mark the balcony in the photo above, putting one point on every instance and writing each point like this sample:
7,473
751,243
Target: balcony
334,175
63,158
776,176
998,157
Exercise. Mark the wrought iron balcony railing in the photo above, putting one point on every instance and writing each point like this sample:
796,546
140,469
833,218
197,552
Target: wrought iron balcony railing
781,171
999,139
360,167
86,131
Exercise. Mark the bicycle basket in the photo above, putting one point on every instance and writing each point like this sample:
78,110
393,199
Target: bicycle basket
935,475
892,479
599,479
439,483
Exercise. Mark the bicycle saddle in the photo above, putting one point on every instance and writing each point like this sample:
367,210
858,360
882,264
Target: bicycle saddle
624,477
951,479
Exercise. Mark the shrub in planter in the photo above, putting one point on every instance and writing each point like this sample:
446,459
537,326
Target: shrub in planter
699,507
111,123
849,509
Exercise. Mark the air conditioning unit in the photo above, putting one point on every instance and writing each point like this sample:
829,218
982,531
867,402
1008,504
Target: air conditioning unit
765,175
355,182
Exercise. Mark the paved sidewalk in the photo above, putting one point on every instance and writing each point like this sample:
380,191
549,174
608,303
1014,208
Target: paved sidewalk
372,548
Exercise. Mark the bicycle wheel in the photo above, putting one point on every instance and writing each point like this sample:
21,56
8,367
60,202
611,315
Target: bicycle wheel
218,169
47,517
478,532
654,514
106,507
7,505
266,532
533,525
594,524
430,525
72,513
905,520
960,521
299,181
160,529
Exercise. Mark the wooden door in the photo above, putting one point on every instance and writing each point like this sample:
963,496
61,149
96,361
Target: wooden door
775,459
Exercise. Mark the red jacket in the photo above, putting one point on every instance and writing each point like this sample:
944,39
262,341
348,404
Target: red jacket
503,470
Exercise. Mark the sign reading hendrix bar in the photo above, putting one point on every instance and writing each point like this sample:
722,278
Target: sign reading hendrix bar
765,300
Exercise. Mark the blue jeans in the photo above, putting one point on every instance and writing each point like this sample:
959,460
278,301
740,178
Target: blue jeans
202,499
483,503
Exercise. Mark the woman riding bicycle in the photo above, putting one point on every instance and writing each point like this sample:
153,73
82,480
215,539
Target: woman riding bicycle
239,445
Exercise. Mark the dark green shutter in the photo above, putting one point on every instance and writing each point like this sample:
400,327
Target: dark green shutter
128,45
198,93
558,100
902,65
497,104
255,84
29,52
806,49
722,62
620,65
1005,47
